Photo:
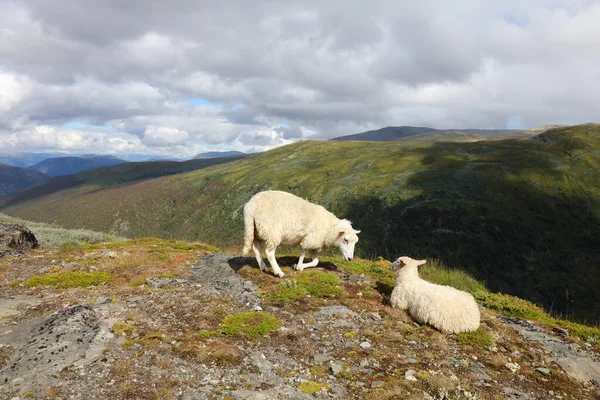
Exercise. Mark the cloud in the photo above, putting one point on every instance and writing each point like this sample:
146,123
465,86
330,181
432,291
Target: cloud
168,78
161,136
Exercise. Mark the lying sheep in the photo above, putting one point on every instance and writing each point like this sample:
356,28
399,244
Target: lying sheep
444,307
275,218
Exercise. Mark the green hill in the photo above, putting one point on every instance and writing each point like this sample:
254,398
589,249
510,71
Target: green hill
523,216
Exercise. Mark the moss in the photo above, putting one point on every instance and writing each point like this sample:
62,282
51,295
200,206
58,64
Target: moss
28,395
479,338
350,334
319,283
69,279
120,328
252,324
310,387
205,334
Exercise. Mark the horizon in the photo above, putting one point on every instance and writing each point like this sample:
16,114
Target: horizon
171,81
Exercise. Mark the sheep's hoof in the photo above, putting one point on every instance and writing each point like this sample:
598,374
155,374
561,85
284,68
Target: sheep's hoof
280,274
298,267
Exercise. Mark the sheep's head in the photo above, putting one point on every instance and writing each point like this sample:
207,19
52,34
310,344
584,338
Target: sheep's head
406,261
346,239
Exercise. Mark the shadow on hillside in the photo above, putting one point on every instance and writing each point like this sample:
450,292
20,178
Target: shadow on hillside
492,219
236,263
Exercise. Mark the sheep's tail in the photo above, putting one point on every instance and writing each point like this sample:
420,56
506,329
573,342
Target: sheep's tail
248,233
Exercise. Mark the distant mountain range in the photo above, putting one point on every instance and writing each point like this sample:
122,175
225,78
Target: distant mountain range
218,154
71,165
418,133
24,160
13,179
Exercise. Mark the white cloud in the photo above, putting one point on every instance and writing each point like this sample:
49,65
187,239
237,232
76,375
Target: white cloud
301,70
161,136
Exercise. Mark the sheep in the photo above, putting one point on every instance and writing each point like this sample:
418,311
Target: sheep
274,218
444,307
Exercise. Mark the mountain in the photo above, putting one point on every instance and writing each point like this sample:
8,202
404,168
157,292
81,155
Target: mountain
71,165
523,216
13,179
25,159
218,154
413,133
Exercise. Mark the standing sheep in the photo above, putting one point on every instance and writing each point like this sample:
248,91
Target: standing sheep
275,218
444,307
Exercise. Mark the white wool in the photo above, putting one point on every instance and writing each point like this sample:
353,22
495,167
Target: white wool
443,307
274,218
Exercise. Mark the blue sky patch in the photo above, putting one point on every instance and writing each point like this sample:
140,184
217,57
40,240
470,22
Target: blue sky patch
198,101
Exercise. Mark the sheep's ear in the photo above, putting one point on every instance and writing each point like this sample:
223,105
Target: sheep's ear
421,262
357,232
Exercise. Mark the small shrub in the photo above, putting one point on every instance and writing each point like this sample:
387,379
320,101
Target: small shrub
478,338
70,279
70,247
310,387
253,324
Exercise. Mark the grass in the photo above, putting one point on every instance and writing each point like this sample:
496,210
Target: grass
252,324
70,279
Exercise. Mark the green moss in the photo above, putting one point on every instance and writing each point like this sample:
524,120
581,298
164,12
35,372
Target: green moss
205,334
120,328
70,279
319,283
310,387
253,324
28,395
479,338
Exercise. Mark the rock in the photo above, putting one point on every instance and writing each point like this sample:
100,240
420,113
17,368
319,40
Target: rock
103,300
156,283
257,308
336,367
514,367
377,384
320,358
215,274
365,345
71,337
409,375
17,237
542,370
412,361
478,372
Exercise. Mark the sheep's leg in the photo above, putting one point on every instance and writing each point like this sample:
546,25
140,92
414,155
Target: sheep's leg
299,266
271,257
313,263
259,260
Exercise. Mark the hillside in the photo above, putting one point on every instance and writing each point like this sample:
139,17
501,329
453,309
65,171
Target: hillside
523,216
100,178
59,166
218,154
24,160
424,134
156,319
13,179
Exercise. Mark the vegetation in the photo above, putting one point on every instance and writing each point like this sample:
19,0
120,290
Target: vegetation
252,324
479,338
520,216
53,236
310,387
69,279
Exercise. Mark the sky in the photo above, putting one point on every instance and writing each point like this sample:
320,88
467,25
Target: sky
176,78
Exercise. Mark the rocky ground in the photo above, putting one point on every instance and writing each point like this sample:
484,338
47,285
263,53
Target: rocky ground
160,330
